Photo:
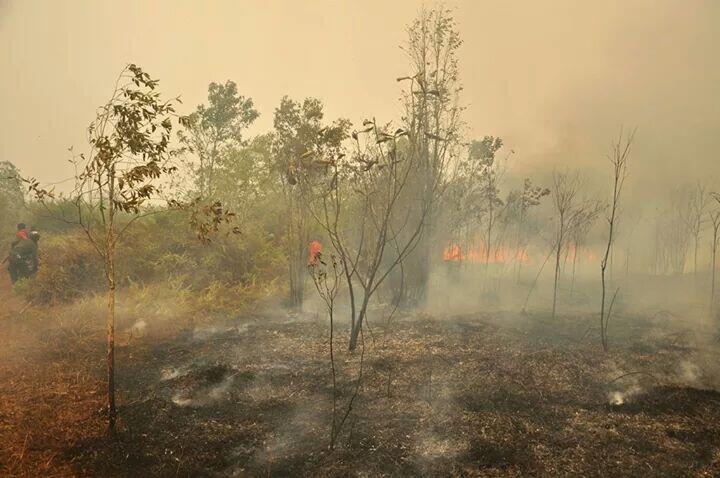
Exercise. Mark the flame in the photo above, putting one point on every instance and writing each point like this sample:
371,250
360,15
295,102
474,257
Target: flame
452,253
479,254
584,254
505,255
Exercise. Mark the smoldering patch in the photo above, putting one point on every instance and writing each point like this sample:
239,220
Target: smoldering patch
203,385
138,328
171,373
624,395
689,372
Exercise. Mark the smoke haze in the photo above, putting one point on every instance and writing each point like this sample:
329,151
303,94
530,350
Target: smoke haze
554,79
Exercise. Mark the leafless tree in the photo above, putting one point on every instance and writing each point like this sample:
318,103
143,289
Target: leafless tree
672,234
570,211
693,215
360,210
578,234
715,222
492,205
619,155
529,197
326,276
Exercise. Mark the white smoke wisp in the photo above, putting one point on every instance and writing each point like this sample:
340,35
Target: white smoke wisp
138,328
689,372
624,386
206,396
620,397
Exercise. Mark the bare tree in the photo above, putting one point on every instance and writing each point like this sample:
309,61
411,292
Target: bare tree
529,197
673,235
326,278
488,193
578,234
715,220
570,211
564,191
619,155
360,210
693,215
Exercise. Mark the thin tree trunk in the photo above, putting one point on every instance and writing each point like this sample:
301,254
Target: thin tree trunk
603,267
557,269
537,277
572,283
351,294
357,327
695,253
298,239
110,273
627,268
519,249
521,257
112,411
333,428
714,268
602,310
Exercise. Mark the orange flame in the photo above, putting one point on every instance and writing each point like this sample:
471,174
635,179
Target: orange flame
452,253
584,254
479,255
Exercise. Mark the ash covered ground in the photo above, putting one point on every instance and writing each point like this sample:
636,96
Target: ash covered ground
480,394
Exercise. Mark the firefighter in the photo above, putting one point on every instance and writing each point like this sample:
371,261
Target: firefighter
22,259
35,237
314,252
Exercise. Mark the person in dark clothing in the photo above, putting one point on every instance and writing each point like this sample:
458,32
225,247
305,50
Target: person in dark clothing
35,237
22,259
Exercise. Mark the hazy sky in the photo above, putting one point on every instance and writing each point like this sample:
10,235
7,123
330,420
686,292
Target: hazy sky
554,78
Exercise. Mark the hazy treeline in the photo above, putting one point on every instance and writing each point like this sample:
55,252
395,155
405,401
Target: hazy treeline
472,206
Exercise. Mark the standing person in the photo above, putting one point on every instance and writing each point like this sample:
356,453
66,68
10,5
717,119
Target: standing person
23,253
314,252
21,234
34,262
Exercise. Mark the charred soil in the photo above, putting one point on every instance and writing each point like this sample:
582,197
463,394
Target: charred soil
477,395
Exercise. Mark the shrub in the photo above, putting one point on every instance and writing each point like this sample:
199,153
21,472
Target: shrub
157,248
69,268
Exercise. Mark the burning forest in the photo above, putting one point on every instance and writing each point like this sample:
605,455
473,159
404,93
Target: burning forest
359,239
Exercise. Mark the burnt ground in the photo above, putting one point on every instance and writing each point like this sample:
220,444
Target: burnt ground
476,395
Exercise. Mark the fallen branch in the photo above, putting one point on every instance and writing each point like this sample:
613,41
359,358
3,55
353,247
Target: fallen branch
639,372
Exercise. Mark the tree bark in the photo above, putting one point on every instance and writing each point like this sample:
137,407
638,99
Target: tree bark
557,267
110,241
357,326
714,269
572,283
112,411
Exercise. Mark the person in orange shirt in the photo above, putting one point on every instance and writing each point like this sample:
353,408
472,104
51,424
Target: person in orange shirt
315,252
